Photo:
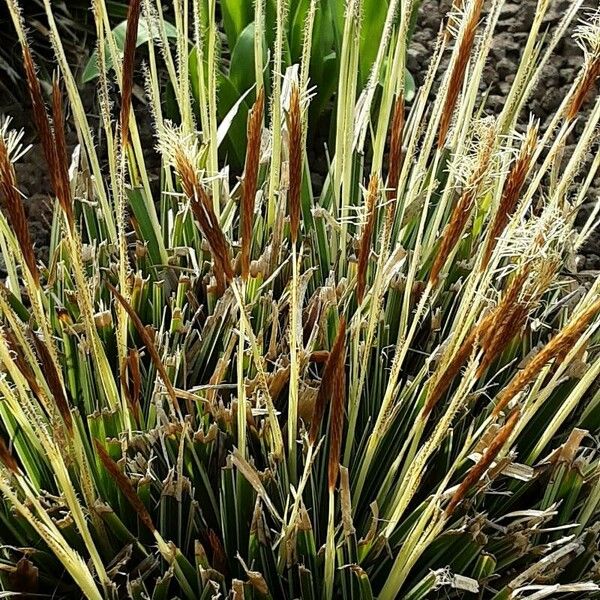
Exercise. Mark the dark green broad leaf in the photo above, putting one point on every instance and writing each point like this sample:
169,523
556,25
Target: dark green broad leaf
237,15
229,95
297,20
241,70
374,14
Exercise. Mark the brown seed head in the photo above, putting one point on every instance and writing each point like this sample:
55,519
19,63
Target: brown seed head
557,348
40,114
133,18
327,382
338,396
295,161
255,120
484,462
396,135
511,192
365,239
462,211
7,458
15,211
54,380
207,220
584,86
62,187
459,68
492,334
125,486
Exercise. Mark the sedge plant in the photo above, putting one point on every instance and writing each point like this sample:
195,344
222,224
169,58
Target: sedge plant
384,388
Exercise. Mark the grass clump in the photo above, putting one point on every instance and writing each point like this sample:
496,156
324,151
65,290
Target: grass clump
386,389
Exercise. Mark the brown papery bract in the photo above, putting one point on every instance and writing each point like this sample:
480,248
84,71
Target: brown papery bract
484,462
365,238
133,18
459,69
255,120
294,122
15,211
557,348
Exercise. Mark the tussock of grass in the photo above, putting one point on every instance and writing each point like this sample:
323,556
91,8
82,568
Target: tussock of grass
386,390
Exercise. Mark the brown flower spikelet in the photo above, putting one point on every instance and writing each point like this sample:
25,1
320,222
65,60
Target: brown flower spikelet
462,211
484,462
295,161
557,348
396,135
125,486
365,238
327,382
255,120
333,388
511,192
15,211
62,186
492,333
54,380
590,73
459,69
133,18
207,220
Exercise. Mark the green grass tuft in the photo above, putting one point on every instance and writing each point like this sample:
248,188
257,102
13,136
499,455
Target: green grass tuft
385,388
